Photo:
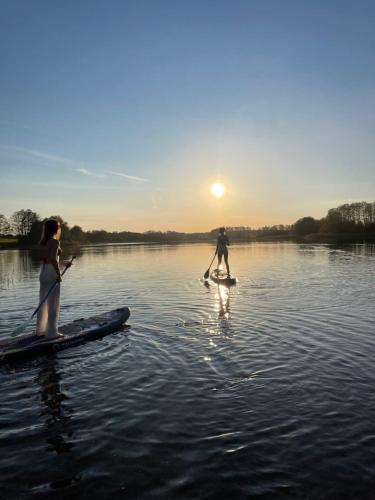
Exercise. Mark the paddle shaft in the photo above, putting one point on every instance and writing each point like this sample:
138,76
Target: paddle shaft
207,273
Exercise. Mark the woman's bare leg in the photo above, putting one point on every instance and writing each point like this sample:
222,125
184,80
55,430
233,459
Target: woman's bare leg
227,264
219,258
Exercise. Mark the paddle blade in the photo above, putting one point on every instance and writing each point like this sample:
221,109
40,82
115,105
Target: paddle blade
206,274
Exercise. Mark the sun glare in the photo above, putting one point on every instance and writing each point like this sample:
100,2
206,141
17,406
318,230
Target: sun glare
217,189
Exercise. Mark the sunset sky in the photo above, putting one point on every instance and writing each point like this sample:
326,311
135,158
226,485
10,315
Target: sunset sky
122,114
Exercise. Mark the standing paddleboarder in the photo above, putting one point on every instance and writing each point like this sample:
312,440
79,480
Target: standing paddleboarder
222,249
48,314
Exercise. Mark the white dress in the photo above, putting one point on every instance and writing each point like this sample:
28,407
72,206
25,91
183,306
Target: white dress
48,314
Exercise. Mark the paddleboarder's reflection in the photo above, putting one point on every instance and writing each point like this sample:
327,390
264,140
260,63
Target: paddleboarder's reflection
58,428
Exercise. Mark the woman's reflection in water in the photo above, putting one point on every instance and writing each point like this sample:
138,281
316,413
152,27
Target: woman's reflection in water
58,428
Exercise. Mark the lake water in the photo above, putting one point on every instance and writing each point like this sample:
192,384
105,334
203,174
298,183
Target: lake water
265,390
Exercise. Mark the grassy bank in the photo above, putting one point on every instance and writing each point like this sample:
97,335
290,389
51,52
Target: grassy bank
6,242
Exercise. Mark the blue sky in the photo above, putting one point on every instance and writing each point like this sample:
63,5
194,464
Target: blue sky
120,115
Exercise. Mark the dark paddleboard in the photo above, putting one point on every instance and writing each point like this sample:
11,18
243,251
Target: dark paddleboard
222,279
75,333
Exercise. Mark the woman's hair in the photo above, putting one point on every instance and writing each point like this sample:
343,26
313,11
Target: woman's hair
222,230
51,227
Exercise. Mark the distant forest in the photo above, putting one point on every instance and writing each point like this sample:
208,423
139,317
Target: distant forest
348,222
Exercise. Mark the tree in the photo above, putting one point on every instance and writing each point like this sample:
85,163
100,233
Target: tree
349,218
22,221
35,234
306,225
77,234
4,226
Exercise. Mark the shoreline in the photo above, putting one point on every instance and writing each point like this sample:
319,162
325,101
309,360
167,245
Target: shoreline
12,243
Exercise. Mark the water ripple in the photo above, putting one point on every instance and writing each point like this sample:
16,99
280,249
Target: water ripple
263,390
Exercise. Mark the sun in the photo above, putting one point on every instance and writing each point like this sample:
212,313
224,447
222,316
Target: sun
218,189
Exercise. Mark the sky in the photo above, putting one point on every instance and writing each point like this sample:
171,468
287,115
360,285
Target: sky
120,115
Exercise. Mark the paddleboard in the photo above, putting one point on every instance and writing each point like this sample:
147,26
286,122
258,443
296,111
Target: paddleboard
75,333
221,278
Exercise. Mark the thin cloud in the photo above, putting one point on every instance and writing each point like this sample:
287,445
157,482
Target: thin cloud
67,163
53,160
130,177
38,154
64,185
84,171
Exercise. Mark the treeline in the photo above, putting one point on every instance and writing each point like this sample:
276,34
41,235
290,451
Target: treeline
357,219
236,234
348,219
27,226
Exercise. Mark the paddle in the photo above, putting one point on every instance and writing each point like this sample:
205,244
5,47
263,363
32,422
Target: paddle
22,327
207,273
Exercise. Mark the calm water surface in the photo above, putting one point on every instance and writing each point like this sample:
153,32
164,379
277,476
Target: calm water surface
263,391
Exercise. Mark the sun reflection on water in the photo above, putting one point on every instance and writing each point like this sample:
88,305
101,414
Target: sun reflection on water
222,301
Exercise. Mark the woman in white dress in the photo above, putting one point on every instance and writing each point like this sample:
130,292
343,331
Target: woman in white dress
48,314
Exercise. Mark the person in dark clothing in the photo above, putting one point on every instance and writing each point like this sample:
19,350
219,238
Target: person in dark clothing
222,249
